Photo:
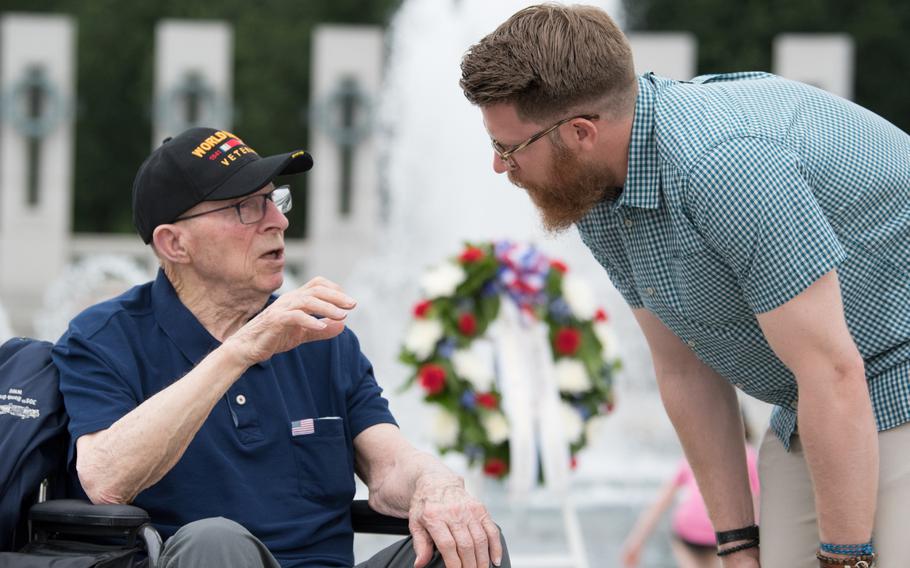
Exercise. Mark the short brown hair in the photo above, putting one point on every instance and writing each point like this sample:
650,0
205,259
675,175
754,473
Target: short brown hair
549,59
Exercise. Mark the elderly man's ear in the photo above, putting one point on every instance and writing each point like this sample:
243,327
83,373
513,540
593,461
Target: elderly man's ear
170,243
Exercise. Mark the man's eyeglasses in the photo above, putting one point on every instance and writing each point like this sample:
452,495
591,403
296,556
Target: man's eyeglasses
252,209
505,154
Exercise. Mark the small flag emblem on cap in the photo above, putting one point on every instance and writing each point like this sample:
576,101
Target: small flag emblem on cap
229,144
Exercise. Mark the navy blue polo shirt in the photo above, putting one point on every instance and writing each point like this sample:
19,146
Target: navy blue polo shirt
291,486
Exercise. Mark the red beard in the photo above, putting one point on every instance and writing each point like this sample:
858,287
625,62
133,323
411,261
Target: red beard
571,192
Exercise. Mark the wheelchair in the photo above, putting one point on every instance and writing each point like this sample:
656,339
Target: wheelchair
39,529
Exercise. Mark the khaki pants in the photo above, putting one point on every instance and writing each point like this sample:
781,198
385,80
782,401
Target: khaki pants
789,530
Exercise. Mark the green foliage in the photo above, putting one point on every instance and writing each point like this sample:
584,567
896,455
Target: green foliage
737,35
115,72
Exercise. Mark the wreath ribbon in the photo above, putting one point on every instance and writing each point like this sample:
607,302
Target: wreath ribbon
531,402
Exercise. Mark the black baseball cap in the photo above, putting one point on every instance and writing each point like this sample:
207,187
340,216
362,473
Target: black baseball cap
202,164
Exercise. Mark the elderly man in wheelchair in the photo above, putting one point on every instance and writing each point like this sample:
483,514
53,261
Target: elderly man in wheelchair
238,419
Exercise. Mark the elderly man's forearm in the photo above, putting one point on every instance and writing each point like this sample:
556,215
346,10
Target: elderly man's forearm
114,465
412,469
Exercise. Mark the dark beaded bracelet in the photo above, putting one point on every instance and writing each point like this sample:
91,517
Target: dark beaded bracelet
861,561
726,551
750,532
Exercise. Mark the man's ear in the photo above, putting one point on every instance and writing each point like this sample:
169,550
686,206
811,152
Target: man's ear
583,134
171,243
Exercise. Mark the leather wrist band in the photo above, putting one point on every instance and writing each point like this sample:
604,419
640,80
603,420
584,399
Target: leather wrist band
745,533
727,551
864,561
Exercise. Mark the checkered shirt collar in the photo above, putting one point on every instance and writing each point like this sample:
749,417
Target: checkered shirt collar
642,188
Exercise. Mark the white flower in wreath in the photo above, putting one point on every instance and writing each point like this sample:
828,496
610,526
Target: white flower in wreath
571,376
474,369
445,429
579,297
497,427
594,429
572,423
442,280
422,337
607,339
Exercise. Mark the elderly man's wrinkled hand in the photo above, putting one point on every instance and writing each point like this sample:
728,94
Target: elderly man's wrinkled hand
315,311
443,513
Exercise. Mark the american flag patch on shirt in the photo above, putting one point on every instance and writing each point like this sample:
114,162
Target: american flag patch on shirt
302,427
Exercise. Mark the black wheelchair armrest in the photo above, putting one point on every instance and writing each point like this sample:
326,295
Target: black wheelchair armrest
71,516
77,513
77,517
365,520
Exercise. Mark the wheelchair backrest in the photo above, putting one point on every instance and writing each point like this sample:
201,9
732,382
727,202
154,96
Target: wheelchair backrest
33,438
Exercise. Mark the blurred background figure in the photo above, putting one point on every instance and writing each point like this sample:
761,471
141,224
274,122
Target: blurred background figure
692,535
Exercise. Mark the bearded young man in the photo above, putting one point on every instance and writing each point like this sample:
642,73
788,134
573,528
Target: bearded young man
760,230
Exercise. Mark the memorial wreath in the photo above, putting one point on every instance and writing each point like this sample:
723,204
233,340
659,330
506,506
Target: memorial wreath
462,298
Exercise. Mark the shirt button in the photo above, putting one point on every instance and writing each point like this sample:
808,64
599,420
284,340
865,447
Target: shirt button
241,400
649,291
691,343
628,222
794,404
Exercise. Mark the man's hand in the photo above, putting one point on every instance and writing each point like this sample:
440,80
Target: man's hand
743,559
444,513
313,312
405,482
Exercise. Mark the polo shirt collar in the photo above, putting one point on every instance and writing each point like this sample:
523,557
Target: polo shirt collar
642,188
179,323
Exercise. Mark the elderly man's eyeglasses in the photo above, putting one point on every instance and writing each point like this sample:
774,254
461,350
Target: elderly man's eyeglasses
252,209
505,154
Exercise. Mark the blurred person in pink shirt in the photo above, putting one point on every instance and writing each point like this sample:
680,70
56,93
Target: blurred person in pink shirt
693,543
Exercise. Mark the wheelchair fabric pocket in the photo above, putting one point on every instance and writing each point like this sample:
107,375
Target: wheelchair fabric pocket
69,554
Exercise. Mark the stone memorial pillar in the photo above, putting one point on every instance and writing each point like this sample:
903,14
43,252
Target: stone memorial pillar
668,54
344,184
193,79
37,54
823,60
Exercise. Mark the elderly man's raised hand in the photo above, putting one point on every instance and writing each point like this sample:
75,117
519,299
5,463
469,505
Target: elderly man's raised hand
315,311
445,514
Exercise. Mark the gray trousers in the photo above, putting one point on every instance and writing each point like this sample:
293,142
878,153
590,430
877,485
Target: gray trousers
221,543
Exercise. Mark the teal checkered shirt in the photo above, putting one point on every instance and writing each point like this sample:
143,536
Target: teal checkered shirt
744,189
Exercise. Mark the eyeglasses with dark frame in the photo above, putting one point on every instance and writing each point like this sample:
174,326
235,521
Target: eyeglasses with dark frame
252,209
506,154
